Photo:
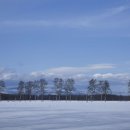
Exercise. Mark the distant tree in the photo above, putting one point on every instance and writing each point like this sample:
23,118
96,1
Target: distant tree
29,87
92,87
129,88
106,89
36,88
100,88
69,87
2,87
21,88
58,82
42,84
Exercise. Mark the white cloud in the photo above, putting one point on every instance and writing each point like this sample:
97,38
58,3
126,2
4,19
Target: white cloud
40,74
118,76
7,74
76,72
101,66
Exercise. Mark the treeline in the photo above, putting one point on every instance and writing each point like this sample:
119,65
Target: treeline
63,87
64,90
14,97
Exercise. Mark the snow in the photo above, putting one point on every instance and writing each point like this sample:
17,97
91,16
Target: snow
62,115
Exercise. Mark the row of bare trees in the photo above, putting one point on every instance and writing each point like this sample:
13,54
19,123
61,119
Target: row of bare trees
67,85
38,87
101,87
30,87
62,87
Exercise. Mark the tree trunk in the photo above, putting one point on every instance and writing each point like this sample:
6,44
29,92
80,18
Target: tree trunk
20,97
35,97
91,97
101,97
56,97
59,97
29,97
70,97
105,97
86,97
66,97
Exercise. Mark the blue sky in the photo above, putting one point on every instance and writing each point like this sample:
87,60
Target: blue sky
77,38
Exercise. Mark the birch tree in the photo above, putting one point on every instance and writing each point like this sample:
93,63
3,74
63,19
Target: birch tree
129,88
29,87
92,87
58,82
2,87
69,87
21,89
42,84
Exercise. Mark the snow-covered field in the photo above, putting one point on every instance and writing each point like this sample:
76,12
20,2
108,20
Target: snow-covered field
62,115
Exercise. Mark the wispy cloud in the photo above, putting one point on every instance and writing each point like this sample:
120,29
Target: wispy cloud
93,21
112,12
71,71
101,66
27,23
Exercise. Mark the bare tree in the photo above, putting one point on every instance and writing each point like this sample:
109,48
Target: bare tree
36,88
21,89
2,87
92,87
58,82
29,87
106,89
42,84
100,88
129,88
69,87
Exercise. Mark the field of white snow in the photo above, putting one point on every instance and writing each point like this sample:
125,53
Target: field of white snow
62,115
